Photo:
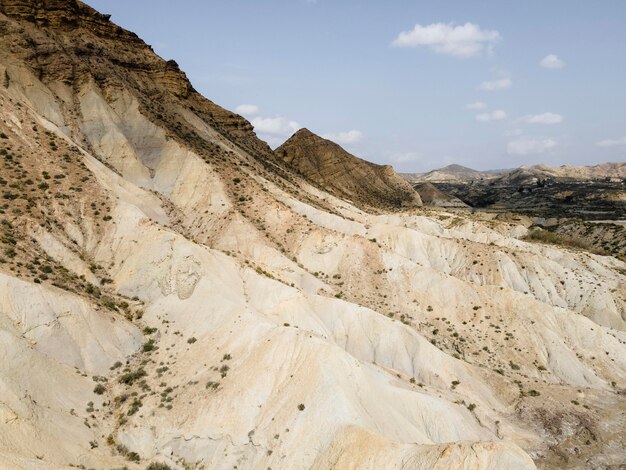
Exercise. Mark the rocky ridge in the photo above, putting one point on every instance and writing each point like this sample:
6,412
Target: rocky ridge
332,168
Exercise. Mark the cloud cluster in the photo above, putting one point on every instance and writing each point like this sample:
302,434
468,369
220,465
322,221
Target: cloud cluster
529,146
612,142
274,130
545,118
497,115
278,125
476,105
552,61
496,85
405,157
247,109
348,137
467,40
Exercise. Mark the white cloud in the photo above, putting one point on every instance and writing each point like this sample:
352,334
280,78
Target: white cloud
545,118
276,126
348,137
247,109
612,142
405,157
497,115
476,105
514,132
466,40
272,140
528,146
552,61
495,85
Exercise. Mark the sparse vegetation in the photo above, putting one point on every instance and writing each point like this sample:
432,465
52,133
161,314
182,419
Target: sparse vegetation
130,378
148,346
158,466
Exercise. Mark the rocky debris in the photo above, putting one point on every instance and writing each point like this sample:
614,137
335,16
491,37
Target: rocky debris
328,165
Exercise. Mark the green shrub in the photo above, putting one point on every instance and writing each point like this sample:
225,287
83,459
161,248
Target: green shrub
158,466
545,236
130,378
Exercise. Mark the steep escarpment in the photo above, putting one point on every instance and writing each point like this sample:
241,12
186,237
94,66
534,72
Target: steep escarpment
171,292
331,167
87,48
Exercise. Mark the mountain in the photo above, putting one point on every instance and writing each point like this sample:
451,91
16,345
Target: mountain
458,173
173,294
451,173
329,166
601,171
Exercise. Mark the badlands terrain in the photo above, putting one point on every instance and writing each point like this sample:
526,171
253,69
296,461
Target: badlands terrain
174,294
583,207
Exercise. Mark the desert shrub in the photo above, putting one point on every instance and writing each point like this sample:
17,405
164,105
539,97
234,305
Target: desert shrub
158,466
134,407
99,389
109,303
130,378
546,236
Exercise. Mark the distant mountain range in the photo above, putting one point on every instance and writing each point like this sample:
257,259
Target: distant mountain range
461,173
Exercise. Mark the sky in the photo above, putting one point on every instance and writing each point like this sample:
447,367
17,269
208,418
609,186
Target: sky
419,85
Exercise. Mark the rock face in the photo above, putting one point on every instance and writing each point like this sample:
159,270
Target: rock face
173,292
331,167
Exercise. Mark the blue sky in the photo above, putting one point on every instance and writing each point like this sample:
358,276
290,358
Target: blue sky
394,81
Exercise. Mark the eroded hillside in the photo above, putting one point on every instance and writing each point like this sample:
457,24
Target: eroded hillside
171,291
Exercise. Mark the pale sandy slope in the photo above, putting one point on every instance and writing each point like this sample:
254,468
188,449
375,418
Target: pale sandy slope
316,325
